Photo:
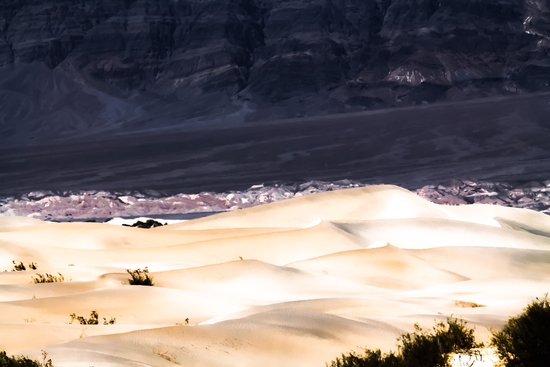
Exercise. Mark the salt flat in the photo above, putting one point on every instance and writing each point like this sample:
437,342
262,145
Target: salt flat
296,282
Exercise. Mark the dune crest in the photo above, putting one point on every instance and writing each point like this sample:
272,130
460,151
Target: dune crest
295,282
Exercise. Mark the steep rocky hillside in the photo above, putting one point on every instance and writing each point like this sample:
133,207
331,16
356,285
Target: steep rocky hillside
80,66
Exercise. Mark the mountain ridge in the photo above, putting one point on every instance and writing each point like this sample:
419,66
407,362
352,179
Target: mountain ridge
136,64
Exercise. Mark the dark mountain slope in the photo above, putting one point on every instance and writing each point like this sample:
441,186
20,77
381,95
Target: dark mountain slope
78,67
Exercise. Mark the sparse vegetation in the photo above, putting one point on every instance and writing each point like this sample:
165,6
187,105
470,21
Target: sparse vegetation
466,304
48,278
418,349
19,266
22,361
140,277
424,349
525,339
46,362
112,321
93,320
16,361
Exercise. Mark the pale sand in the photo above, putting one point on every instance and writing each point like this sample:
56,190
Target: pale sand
296,282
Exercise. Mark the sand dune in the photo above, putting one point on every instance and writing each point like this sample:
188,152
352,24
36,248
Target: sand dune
419,233
270,339
371,202
261,283
387,267
296,282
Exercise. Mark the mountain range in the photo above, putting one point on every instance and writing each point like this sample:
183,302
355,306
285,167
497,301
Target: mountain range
72,68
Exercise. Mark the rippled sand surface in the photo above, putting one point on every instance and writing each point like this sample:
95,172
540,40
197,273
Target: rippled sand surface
296,282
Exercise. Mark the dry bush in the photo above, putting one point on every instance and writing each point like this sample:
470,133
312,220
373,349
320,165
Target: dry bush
140,277
93,320
48,278
525,339
22,361
417,349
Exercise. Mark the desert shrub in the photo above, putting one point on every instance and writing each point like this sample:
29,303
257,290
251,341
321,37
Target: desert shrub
18,267
21,267
371,358
140,277
418,349
431,349
525,339
16,361
109,322
93,320
48,278
22,361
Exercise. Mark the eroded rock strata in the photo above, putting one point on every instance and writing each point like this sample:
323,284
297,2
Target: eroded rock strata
102,204
72,66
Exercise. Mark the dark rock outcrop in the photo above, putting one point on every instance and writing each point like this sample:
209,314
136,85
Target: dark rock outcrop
133,64
148,224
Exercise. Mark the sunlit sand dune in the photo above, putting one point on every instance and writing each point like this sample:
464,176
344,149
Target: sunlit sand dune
296,282
387,267
261,283
371,202
418,233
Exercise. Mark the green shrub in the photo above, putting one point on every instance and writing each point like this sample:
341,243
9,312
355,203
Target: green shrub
48,278
423,349
525,339
140,277
371,358
22,361
418,349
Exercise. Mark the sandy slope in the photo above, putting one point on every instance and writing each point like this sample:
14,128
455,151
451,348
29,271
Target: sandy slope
295,282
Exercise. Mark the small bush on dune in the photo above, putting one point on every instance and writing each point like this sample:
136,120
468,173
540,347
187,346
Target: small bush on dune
22,361
18,267
109,322
371,358
93,320
48,278
418,349
140,277
16,361
525,339
21,267
424,349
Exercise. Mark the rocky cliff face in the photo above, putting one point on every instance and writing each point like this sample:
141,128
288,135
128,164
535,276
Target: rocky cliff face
79,65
